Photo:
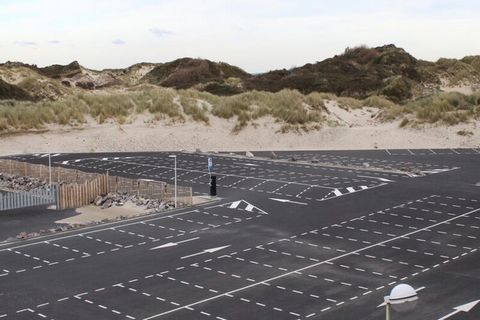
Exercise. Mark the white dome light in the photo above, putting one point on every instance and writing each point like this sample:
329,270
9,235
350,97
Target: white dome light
402,293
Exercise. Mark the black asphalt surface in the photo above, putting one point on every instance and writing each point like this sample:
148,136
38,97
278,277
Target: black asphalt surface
286,240
29,220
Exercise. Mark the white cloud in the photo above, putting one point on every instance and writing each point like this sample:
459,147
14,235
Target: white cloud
257,35
160,33
25,43
119,42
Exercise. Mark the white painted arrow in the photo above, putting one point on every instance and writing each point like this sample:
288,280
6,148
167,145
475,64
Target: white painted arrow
289,201
463,308
173,244
212,250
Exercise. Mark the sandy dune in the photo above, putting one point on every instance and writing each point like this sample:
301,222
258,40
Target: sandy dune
356,131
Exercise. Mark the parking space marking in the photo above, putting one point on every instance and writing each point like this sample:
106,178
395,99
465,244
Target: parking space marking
67,248
311,266
95,235
333,261
438,230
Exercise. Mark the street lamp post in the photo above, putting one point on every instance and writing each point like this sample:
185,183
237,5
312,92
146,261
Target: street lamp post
175,157
400,294
50,171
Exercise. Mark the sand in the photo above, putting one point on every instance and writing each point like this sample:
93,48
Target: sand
90,214
356,130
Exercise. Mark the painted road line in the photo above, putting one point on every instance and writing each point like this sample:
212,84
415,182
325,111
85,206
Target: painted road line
263,282
108,226
173,244
434,171
247,164
338,193
289,201
212,250
235,204
378,178
206,173
242,205
463,308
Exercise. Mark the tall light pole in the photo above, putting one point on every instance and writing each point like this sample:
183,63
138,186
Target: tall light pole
50,171
175,157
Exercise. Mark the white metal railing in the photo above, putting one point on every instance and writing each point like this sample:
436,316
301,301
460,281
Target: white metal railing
16,200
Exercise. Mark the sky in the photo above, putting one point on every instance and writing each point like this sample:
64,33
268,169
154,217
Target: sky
257,35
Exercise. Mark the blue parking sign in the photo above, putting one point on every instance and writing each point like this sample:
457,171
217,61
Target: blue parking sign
210,164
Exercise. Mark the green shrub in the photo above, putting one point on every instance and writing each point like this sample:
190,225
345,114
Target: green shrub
378,102
348,102
465,133
404,122
450,108
191,108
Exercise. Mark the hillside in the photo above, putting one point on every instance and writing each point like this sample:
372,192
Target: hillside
185,73
359,72
11,92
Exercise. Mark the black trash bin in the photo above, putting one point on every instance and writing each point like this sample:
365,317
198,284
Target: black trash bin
213,186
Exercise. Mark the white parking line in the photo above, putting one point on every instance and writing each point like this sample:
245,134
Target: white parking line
309,266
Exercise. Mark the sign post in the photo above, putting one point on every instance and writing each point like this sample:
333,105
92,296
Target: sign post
213,179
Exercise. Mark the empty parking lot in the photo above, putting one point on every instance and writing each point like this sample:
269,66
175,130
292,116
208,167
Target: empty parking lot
322,239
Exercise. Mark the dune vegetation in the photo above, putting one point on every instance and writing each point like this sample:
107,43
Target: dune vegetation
287,106
442,108
290,108
387,78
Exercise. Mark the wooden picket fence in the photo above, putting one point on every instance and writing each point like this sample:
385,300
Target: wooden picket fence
41,172
75,195
77,188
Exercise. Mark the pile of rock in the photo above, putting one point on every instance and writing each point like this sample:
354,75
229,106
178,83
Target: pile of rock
14,182
412,170
119,199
